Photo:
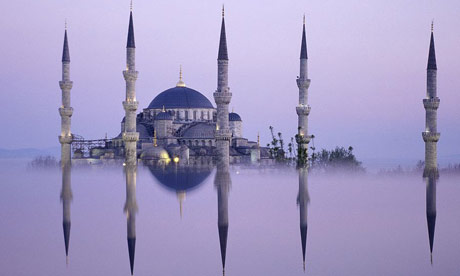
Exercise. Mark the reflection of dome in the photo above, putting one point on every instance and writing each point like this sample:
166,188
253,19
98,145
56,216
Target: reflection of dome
154,153
200,130
163,116
180,97
180,178
234,117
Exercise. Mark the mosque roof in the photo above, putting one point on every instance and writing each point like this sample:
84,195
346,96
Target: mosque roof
234,117
200,130
180,97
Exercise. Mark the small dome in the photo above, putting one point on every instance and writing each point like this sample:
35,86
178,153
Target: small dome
163,116
234,117
154,153
180,97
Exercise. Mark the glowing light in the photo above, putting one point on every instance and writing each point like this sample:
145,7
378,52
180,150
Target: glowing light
176,159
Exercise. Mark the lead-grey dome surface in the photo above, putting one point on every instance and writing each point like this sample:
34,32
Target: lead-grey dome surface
234,116
180,97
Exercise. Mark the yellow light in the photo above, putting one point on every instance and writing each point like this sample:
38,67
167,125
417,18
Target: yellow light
176,159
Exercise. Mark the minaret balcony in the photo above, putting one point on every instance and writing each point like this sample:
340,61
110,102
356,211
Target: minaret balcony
303,110
66,111
66,85
130,136
303,139
65,139
222,97
130,105
303,83
130,75
223,134
431,136
431,103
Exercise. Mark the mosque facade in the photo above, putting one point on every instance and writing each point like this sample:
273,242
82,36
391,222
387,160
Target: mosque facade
180,123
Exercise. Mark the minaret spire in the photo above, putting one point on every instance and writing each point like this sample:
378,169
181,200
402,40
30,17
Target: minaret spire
432,54
303,49
131,43
223,54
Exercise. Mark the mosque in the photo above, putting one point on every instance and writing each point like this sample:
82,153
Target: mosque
180,123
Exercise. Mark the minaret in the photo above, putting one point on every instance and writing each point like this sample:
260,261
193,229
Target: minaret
130,136
431,137
222,97
431,104
222,182
65,110
130,210
303,109
66,199
303,199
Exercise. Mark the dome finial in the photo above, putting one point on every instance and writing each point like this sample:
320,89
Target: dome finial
164,110
258,139
154,137
180,83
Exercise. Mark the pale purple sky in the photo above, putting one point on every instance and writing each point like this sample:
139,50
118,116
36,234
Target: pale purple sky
367,63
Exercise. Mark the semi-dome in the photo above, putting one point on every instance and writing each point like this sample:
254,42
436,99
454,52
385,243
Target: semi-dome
200,130
234,117
180,97
163,116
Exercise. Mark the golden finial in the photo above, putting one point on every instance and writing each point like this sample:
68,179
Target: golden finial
258,139
304,18
131,6
164,110
155,138
180,83
233,109
223,10
432,25
65,24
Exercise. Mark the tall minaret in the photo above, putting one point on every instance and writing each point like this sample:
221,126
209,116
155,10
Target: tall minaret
303,109
431,137
130,136
303,199
65,110
222,97
431,104
130,210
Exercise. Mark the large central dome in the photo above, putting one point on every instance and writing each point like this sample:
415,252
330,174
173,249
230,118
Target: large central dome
180,97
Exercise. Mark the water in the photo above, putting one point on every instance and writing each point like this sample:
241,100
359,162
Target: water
357,225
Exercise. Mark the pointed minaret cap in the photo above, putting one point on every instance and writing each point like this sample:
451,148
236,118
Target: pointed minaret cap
303,237
223,234
65,50
132,251
66,228
303,48
432,53
223,54
131,43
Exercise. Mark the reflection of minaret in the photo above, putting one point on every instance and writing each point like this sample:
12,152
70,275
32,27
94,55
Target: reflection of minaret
431,137
431,210
222,182
302,200
130,210
66,198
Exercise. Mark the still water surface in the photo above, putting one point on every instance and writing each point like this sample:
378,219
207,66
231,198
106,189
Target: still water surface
357,225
